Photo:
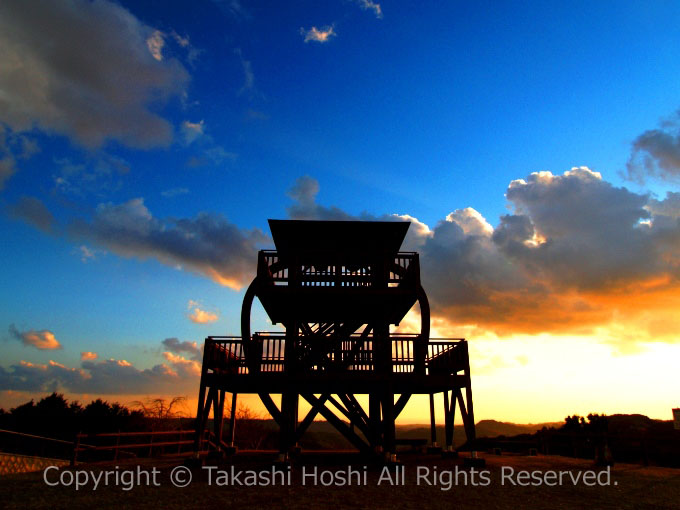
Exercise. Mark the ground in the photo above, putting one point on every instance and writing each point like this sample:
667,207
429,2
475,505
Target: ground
630,486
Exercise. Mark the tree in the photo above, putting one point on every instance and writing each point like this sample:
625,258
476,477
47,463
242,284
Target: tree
162,413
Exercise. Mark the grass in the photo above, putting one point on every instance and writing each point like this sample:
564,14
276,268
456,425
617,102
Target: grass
637,487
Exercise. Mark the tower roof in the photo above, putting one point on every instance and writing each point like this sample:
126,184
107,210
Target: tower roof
363,238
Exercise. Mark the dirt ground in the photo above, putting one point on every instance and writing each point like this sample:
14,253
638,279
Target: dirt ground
346,481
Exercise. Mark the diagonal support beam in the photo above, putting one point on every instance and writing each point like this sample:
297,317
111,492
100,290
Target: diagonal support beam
304,424
271,407
351,415
357,406
352,405
401,403
468,418
340,426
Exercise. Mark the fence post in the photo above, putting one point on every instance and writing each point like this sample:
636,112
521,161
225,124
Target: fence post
115,455
76,446
151,444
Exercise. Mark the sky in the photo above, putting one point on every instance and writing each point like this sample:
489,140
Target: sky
534,146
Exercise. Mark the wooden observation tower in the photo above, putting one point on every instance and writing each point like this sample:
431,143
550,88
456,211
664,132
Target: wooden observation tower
336,287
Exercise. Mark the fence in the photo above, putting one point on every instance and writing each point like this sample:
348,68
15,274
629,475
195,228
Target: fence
115,445
28,450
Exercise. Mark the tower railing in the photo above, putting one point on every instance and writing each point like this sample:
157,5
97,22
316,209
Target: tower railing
227,355
336,272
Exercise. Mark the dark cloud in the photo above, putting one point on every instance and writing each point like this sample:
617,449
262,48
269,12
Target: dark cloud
588,232
669,207
304,193
32,211
568,258
656,153
304,207
177,375
207,244
7,169
83,69
103,377
13,146
191,348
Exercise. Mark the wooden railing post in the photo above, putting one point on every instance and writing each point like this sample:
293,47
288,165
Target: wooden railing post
115,455
76,446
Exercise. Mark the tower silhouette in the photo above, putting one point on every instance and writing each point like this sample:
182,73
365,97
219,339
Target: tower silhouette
336,287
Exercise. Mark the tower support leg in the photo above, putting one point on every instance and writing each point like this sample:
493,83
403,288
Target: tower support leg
388,423
198,437
232,419
433,422
289,414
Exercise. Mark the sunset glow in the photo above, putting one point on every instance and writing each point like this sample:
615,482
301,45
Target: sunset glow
535,151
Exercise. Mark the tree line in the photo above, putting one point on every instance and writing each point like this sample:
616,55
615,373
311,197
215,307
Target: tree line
55,417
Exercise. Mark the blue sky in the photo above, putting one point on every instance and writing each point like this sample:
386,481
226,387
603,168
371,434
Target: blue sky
128,129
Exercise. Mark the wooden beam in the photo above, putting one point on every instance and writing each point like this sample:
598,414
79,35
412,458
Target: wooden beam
355,403
352,416
232,419
468,419
401,403
433,421
271,407
339,425
470,409
449,417
307,421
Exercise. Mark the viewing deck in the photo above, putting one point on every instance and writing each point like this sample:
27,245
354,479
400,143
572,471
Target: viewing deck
322,288
261,363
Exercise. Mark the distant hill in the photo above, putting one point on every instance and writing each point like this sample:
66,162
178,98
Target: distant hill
322,435
630,436
483,428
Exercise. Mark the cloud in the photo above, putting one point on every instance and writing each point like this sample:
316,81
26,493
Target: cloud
656,153
368,5
256,115
174,192
304,207
87,253
98,175
322,35
303,193
564,261
111,376
192,130
569,258
233,8
207,244
83,69
202,316
155,43
248,74
194,134
185,367
103,377
32,211
13,146
7,169
43,340
174,345
669,207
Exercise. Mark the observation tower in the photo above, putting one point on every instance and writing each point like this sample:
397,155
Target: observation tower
336,287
